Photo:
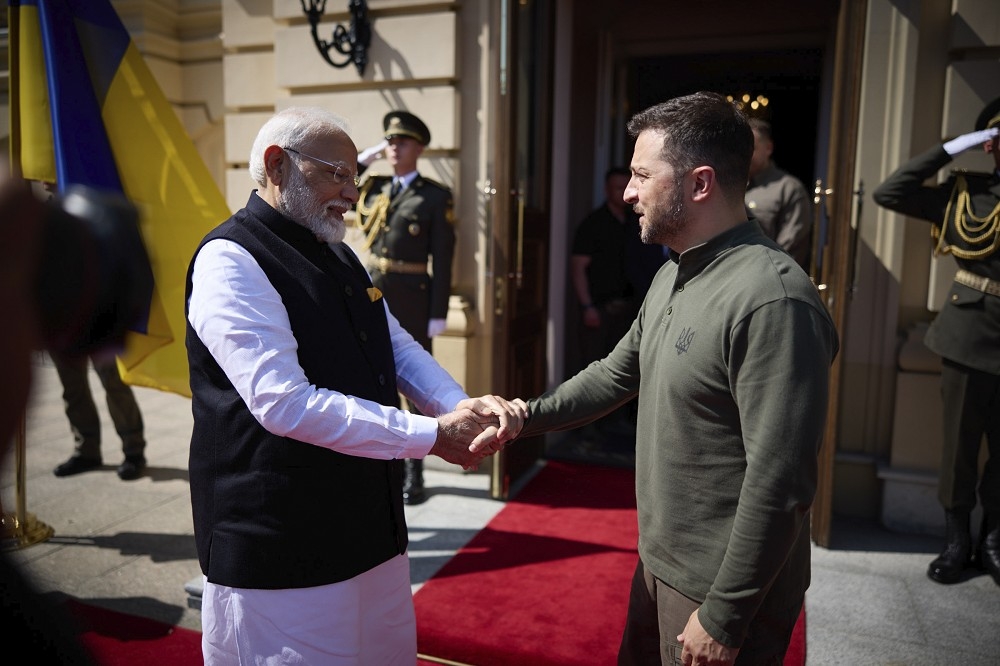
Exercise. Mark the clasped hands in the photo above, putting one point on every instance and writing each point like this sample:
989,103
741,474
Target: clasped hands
479,427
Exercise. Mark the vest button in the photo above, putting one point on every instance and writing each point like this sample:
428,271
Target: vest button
348,290
363,336
381,380
670,310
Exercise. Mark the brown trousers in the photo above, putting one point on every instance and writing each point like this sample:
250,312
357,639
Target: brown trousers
657,614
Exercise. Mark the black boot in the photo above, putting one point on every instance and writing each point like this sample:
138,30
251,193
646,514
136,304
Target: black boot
989,545
954,559
413,482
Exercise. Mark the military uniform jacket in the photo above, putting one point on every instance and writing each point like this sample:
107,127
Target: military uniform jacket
419,224
967,330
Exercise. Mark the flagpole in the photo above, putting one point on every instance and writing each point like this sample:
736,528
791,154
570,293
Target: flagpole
22,529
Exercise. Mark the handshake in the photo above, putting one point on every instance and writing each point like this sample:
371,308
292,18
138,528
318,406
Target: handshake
479,427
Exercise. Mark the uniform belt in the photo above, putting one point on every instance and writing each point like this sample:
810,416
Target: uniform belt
395,266
978,282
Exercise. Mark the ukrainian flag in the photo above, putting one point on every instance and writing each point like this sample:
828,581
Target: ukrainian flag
85,109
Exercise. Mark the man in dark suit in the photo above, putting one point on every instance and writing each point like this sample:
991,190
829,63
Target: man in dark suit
408,219
965,211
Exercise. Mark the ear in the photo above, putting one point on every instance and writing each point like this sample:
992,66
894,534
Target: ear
274,161
702,183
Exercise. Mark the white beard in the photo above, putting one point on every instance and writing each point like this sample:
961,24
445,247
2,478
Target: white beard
297,202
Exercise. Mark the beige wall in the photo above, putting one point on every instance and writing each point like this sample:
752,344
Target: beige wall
427,58
227,65
181,44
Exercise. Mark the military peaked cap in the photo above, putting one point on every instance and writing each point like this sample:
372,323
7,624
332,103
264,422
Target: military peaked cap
989,116
403,123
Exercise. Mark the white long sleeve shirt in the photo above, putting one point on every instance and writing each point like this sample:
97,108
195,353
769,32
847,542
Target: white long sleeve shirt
240,318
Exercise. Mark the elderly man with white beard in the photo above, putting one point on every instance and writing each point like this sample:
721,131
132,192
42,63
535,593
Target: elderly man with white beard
296,452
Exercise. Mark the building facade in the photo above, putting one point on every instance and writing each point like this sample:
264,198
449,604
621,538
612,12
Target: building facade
526,101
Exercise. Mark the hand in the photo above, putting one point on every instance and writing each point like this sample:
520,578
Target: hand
369,155
971,140
459,430
592,317
436,327
701,649
511,413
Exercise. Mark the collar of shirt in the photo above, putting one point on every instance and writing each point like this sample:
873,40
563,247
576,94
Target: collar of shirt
405,180
693,260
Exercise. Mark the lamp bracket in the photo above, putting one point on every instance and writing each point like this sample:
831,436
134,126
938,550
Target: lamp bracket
351,42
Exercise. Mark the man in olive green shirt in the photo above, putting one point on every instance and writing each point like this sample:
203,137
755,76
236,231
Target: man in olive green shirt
733,348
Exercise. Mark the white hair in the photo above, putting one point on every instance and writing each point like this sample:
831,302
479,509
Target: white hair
291,128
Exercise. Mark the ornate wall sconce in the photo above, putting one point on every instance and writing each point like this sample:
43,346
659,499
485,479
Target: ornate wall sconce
352,42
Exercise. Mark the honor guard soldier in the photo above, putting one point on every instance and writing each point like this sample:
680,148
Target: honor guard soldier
408,221
965,211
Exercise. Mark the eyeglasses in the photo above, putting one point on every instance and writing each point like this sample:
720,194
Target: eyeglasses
341,173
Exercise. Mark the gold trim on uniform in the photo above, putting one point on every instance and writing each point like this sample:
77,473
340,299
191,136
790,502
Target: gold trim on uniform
983,233
371,219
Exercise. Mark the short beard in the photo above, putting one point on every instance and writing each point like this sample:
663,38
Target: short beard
296,201
662,229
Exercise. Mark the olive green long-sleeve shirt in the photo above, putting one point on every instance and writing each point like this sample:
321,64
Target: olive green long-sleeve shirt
730,357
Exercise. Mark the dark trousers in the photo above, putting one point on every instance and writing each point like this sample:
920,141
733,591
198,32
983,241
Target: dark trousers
82,413
657,614
971,409
616,319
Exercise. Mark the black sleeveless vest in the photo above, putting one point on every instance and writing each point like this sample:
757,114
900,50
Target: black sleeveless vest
272,512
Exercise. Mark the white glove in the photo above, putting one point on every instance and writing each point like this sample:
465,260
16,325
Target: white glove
971,140
369,155
436,327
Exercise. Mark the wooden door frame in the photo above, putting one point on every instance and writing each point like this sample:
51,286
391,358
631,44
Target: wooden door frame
838,197
502,115
510,207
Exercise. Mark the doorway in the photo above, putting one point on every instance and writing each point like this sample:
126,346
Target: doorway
790,81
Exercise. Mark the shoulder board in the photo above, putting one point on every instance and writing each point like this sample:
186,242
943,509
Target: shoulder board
371,180
975,175
440,186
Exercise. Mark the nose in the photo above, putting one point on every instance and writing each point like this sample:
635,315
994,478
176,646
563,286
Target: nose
350,192
631,193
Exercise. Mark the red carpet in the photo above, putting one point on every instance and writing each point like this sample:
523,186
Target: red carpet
546,582
119,639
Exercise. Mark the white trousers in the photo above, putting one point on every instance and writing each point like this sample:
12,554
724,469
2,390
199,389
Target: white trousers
367,620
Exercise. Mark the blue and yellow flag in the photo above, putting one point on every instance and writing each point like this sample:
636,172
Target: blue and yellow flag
85,109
